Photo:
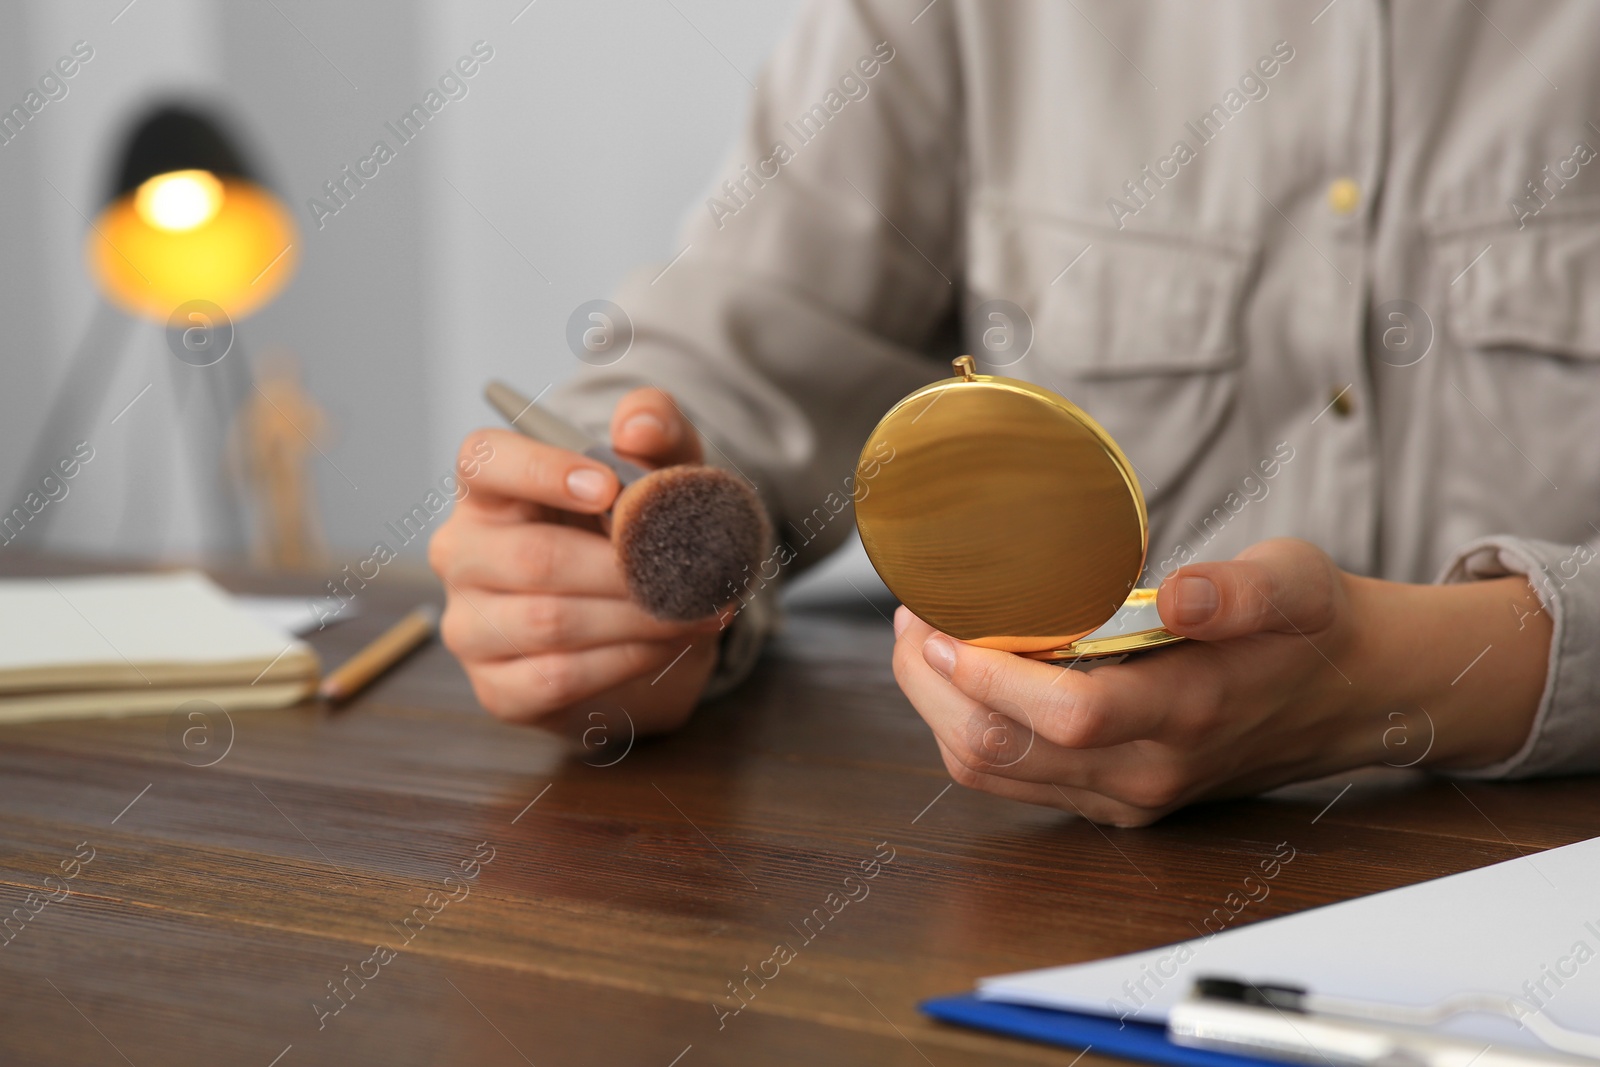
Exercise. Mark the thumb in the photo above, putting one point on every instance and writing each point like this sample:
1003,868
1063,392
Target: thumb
1285,585
648,425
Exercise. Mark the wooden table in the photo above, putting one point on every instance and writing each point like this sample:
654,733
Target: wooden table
618,891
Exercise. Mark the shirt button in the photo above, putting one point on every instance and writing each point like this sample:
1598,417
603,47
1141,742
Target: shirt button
1340,403
1344,196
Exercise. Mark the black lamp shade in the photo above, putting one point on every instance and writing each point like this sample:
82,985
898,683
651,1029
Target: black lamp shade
176,138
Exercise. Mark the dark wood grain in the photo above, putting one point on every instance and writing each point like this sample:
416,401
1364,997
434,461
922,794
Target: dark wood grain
621,903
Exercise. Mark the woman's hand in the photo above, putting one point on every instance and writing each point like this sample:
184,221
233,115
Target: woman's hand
1295,670
536,609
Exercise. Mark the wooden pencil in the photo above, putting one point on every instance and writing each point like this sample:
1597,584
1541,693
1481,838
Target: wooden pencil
389,648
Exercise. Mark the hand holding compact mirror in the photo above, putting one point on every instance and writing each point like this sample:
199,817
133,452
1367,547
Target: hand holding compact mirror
1008,518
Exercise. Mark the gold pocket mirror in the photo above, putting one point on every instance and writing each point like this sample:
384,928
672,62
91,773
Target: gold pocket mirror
1003,515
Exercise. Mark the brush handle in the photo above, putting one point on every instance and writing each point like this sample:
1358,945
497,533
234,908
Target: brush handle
541,425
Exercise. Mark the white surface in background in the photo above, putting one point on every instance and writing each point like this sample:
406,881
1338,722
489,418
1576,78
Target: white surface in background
844,579
297,615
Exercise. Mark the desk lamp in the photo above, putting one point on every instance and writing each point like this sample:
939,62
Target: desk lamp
189,238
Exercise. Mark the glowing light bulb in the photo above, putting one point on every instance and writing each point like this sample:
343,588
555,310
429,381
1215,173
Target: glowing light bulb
179,200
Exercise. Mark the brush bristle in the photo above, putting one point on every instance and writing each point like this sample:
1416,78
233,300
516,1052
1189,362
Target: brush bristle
687,538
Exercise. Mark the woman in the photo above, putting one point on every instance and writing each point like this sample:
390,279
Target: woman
1359,247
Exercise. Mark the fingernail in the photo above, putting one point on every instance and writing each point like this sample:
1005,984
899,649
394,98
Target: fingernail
646,423
588,484
1197,600
940,652
902,615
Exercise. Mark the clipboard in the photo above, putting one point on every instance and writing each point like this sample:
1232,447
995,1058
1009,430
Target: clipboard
1527,927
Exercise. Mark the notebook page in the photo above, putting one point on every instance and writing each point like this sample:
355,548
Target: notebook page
121,622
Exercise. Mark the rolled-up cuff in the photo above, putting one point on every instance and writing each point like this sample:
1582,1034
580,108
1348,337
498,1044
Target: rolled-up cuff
743,641
1565,738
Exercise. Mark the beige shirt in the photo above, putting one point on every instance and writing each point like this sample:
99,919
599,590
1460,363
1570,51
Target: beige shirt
1325,272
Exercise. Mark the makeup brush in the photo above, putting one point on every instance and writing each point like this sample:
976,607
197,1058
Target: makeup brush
686,537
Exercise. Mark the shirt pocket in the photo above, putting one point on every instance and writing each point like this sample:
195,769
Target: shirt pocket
1521,382
1534,290
1140,331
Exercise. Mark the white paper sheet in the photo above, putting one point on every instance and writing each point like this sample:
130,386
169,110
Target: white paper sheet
298,615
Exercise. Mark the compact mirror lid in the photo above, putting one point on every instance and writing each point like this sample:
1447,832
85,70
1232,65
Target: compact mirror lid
1000,512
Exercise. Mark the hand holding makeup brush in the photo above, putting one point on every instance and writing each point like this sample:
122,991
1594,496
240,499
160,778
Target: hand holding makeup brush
538,610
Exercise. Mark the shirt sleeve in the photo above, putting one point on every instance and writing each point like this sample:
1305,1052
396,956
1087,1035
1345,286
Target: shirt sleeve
1565,738
811,280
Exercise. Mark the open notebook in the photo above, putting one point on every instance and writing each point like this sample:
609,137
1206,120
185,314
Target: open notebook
139,644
